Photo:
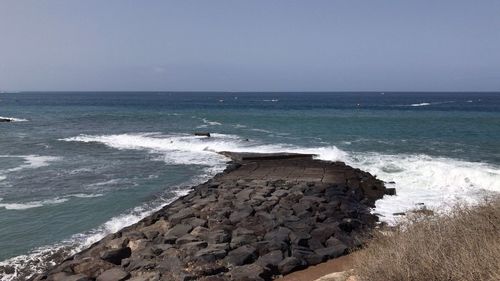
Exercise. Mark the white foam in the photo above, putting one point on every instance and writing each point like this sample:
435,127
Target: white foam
420,104
32,204
430,103
12,119
174,149
211,123
83,195
29,162
46,202
261,130
434,181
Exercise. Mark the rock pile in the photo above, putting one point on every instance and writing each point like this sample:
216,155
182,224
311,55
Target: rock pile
263,217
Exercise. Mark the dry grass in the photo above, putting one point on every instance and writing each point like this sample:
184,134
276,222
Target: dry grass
458,246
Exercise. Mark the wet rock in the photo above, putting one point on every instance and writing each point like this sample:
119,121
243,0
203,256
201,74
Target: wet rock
202,134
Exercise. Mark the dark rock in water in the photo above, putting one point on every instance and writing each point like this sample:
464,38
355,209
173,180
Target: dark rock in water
202,134
265,215
390,191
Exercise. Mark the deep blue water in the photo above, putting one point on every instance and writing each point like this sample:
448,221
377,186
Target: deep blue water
85,164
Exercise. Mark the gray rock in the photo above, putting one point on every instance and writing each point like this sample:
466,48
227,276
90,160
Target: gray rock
195,222
240,214
90,267
212,252
186,238
218,236
116,256
281,234
113,274
299,238
251,272
289,264
182,214
77,277
240,256
271,259
179,230
331,252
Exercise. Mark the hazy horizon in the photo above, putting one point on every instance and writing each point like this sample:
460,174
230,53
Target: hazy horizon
250,46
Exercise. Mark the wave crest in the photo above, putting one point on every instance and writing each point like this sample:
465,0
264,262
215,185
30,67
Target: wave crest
13,119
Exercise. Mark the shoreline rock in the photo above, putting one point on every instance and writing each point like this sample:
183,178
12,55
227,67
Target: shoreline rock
265,216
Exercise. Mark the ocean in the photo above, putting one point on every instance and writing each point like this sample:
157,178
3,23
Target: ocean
76,166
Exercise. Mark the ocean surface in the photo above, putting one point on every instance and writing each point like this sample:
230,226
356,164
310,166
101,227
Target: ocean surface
77,166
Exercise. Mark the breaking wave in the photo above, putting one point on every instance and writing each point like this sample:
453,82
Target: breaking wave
434,181
12,119
420,104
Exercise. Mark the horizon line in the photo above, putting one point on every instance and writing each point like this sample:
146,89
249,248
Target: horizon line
226,91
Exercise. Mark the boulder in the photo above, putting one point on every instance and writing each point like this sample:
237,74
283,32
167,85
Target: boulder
271,259
240,256
212,252
116,256
202,134
182,214
113,274
251,272
289,264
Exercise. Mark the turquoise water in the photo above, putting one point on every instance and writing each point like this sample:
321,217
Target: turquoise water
76,166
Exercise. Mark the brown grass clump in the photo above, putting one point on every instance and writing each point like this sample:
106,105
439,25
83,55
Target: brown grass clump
461,245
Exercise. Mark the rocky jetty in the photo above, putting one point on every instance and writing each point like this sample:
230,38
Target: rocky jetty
265,216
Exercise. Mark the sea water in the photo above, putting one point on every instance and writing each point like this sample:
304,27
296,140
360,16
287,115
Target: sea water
77,166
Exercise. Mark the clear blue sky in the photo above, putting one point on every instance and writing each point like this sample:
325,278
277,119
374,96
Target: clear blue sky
250,45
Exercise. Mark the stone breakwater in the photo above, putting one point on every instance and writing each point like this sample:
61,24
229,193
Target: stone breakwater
265,216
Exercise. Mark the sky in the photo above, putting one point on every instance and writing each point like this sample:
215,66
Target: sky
258,45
